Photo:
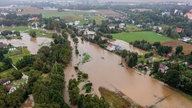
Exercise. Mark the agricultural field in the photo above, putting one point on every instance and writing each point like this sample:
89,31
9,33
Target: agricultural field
75,16
187,48
144,35
68,15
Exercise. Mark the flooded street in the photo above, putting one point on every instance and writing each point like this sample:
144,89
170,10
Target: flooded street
33,44
104,70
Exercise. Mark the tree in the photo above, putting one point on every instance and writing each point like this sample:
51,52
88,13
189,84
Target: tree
172,77
179,49
17,74
33,34
17,33
189,59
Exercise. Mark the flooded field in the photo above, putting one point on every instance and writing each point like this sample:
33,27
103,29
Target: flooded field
33,44
128,47
104,70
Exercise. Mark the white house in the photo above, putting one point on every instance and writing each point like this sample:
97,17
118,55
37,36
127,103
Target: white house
76,22
111,26
121,25
10,89
89,34
186,39
111,47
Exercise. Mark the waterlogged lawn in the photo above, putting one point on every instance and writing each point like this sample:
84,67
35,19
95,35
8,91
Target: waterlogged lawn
143,35
86,58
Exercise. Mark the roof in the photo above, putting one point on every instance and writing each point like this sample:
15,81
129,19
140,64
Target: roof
9,87
35,18
4,81
163,66
179,30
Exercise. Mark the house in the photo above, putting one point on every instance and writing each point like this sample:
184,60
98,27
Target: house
89,34
190,67
10,89
111,26
118,47
5,82
111,47
2,45
12,49
76,22
179,30
169,55
163,68
33,19
121,25
186,39
189,15
141,65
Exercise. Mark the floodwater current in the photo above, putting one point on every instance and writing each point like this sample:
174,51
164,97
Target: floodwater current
104,71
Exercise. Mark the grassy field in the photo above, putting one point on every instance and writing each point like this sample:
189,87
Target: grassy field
115,100
75,16
133,28
15,57
144,35
6,74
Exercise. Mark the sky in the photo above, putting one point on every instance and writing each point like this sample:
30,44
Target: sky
107,0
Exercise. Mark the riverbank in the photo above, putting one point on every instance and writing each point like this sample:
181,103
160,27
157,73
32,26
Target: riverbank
117,99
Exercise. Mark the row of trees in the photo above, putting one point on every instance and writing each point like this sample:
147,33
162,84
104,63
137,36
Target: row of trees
6,61
8,32
144,45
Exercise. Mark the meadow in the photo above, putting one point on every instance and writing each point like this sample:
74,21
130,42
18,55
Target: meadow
143,35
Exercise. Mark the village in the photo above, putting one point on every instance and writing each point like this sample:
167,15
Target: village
140,43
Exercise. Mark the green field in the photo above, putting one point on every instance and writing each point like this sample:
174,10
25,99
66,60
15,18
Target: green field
18,54
144,35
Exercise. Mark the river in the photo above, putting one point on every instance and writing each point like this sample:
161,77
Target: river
107,73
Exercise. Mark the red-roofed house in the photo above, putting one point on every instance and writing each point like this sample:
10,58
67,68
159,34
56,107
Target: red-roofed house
179,30
35,18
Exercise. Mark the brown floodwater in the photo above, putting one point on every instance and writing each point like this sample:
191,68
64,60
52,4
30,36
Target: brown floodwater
33,44
104,70
128,47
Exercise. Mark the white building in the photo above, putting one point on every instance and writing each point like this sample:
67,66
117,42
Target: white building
89,34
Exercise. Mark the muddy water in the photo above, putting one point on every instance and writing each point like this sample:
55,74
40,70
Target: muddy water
108,73
33,44
128,47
